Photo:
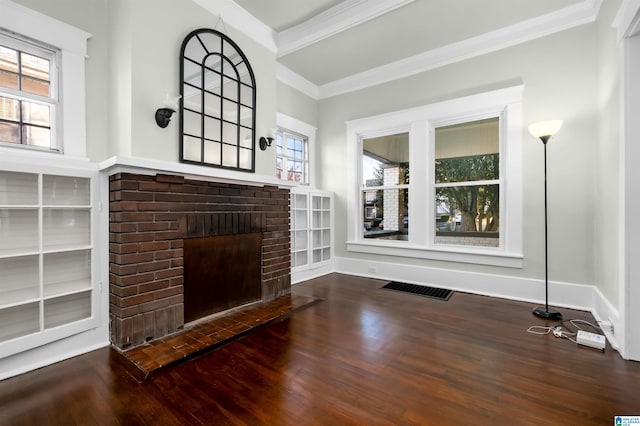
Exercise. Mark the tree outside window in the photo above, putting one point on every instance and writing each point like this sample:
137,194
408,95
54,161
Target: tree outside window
467,183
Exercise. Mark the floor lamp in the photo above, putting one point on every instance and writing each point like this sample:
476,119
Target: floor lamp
544,130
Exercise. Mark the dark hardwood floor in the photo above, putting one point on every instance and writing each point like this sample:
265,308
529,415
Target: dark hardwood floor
363,355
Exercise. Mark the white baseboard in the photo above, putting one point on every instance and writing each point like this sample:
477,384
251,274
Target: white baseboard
308,274
602,310
567,295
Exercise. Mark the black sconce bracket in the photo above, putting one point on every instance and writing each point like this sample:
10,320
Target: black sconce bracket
163,116
265,142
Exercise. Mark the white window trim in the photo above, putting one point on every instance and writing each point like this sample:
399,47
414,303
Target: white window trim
506,103
303,129
72,44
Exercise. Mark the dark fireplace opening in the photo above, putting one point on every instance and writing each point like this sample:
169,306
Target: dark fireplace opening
220,273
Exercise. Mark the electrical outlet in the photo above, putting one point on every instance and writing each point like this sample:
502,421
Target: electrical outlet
592,340
606,326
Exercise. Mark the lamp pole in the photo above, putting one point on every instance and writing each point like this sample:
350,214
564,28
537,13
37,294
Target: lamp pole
544,130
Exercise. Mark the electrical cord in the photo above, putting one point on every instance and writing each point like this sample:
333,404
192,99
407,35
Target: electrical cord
562,330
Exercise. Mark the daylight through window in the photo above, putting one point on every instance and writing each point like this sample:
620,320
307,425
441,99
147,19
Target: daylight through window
27,95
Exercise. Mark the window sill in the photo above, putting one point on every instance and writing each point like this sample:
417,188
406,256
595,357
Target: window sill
492,257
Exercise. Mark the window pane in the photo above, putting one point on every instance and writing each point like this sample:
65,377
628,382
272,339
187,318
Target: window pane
385,214
467,152
9,132
468,215
33,113
34,86
385,160
8,80
34,66
9,109
8,59
37,136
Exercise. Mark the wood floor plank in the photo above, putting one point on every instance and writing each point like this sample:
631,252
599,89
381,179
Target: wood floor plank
363,355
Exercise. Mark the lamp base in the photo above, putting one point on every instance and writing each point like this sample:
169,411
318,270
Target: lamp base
546,313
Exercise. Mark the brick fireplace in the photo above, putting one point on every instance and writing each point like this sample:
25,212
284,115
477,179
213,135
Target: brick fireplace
150,216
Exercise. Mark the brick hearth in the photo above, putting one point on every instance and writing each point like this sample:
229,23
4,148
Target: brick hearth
149,216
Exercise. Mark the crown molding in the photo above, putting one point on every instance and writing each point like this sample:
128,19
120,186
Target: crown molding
233,14
341,17
579,14
295,80
627,20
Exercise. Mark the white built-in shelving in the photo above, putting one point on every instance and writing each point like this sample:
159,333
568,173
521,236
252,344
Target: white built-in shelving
311,228
46,256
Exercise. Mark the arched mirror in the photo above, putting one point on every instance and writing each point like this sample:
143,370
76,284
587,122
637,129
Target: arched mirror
217,114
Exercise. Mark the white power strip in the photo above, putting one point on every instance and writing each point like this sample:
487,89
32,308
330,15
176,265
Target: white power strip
593,340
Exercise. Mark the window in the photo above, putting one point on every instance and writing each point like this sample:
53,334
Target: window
294,150
27,94
385,186
429,182
217,118
292,157
467,183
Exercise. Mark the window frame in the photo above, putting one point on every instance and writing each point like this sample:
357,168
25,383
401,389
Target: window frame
22,45
421,122
298,127
71,45
284,134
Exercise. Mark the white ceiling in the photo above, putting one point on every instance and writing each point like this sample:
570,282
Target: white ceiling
327,46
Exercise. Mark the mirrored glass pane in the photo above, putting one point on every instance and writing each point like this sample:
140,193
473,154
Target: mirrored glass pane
245,138
229,155
192,72
191,123
230,111
246,116
245,159
230,133
211,40
195,51
191,149
246,95
212,128
212,153
212,79
231,89
212,104
192,98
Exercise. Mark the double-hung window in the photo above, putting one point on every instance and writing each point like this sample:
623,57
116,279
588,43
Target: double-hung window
292,157
28,95
442,181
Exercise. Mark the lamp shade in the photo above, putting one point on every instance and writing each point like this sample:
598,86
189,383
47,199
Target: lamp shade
545,128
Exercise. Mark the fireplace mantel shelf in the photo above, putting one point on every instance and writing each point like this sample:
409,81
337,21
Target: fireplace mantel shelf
115,165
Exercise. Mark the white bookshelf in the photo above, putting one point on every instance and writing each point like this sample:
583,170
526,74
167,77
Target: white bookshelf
46,255
311,228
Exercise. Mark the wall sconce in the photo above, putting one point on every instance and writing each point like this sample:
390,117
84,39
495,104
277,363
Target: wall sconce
163,115
266,141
